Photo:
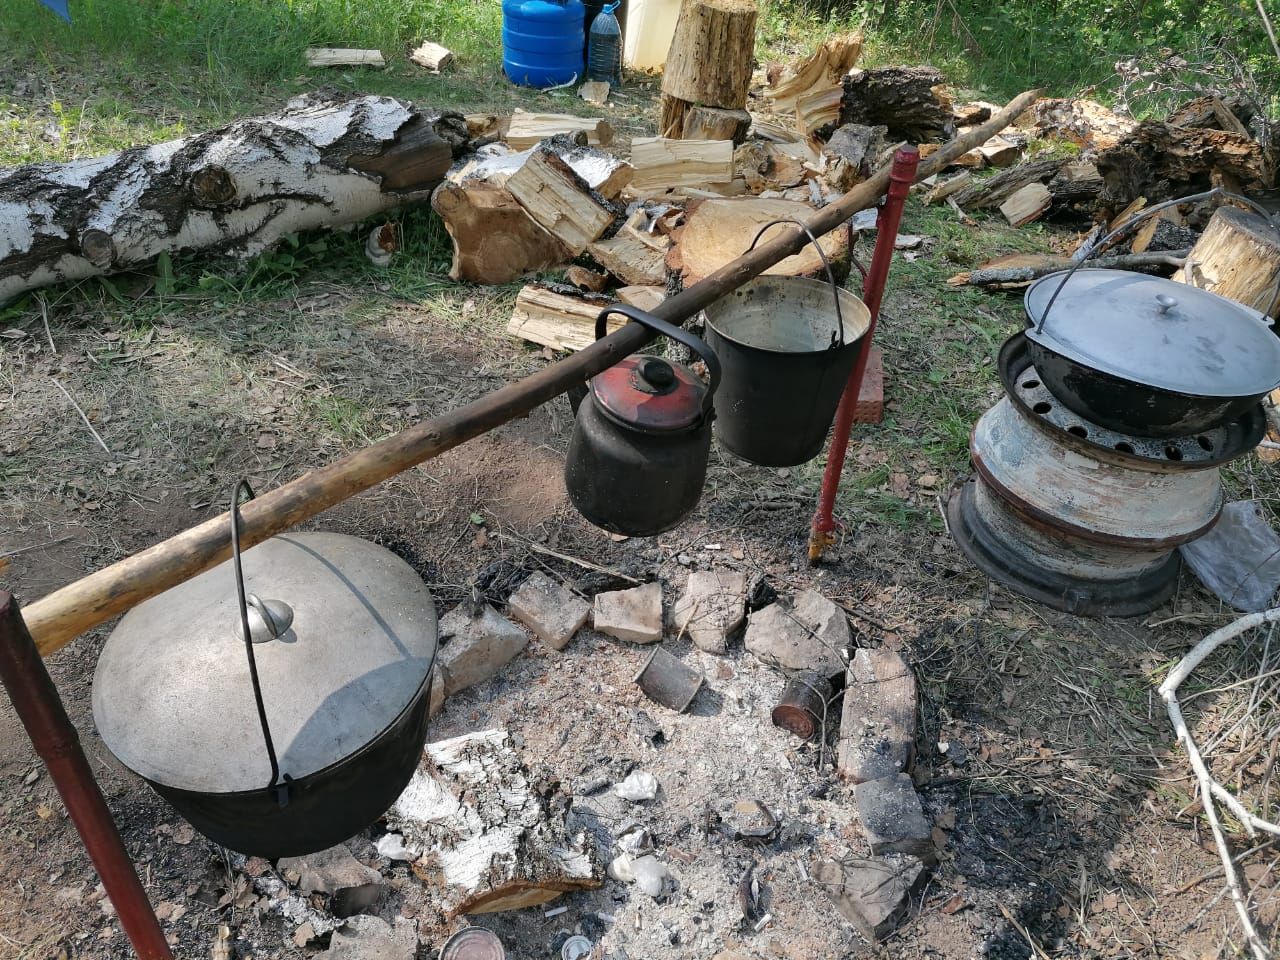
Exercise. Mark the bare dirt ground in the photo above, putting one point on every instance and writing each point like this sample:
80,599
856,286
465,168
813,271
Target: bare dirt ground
1065,823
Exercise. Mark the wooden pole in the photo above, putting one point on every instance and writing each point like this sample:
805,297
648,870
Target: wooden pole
58,618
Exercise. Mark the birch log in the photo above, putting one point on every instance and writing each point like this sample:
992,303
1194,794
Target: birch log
234,191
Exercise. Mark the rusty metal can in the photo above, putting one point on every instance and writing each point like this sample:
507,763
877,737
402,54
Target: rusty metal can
473,943
804,704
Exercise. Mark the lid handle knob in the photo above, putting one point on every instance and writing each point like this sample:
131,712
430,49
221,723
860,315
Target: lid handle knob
274,617
1166,303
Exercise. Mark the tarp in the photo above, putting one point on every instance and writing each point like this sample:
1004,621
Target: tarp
59,7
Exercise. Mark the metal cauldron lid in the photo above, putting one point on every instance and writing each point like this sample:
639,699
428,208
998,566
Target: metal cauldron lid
1155,332
172,697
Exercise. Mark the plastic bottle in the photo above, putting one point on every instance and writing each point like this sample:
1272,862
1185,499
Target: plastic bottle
604,49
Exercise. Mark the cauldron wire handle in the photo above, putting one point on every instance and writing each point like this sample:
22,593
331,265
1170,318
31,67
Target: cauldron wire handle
1137,218
248,639
831,277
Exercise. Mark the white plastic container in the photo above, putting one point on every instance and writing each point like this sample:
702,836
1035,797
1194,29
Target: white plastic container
650,26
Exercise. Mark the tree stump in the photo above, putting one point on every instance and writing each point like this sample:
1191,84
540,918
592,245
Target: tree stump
1237,257
710,60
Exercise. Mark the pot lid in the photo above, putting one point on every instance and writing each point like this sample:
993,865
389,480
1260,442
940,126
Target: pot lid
650,394
1155,332
172,697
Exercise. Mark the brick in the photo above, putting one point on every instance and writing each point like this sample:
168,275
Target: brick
476,647
552,611
870,894
870,405
878,722
713,605
811,633
892,818
634,614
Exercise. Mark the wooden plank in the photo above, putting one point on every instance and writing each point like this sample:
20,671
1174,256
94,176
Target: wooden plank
526,129
662,163
646,298
1027,204
344,57
878,723
555,320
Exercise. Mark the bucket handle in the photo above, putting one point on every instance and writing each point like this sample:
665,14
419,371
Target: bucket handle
696,344
831,277
1099,245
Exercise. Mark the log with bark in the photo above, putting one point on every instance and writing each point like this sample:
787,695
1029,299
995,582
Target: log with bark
1161,161
1232,114
710,60
1238,257
492,834
1018,270
716,232
851,154
992,192
1087,124
235,191
904,99
494,239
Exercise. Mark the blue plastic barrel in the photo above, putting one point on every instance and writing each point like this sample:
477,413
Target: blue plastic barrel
542,41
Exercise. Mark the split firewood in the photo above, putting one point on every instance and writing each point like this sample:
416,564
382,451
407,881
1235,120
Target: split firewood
432,56
595,92
972,114
946,188
718,231
630,260
661,163
1076,184
719,32
990,193
486,126
526,129
560,200
604,173
772,131
1238,257
344,57
557,320
493,840
770,166
1135,207
235,191
715,123
999,152
904,99
813,91
1166,230
970,159
1027,204
646,298
643,226
587,280
1018,270
494,239
1089,125
851,153
1161,161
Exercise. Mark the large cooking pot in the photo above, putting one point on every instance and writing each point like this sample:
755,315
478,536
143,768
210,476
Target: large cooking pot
341,655
1147,356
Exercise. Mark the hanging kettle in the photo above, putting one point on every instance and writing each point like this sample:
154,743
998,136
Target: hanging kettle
282,726
638,457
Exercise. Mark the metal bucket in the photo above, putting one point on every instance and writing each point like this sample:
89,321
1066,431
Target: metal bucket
787,346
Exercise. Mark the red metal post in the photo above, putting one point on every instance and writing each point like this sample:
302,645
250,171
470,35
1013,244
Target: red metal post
901,176
36,701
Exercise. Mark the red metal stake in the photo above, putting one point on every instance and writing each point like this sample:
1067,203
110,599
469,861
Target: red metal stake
901,176
36,701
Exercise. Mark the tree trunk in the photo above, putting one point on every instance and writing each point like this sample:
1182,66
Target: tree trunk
900,98
492,838
710,60
1237,257
234,191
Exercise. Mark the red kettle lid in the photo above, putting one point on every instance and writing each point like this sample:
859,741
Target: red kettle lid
650,393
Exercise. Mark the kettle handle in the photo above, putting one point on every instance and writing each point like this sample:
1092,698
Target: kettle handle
694,343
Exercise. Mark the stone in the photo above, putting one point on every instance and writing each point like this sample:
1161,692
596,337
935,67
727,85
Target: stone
620,869
870,894
878,720
304,934
713,605
550,610
371,938
478,647
351,886
634,614
892,818
810,633
651,875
